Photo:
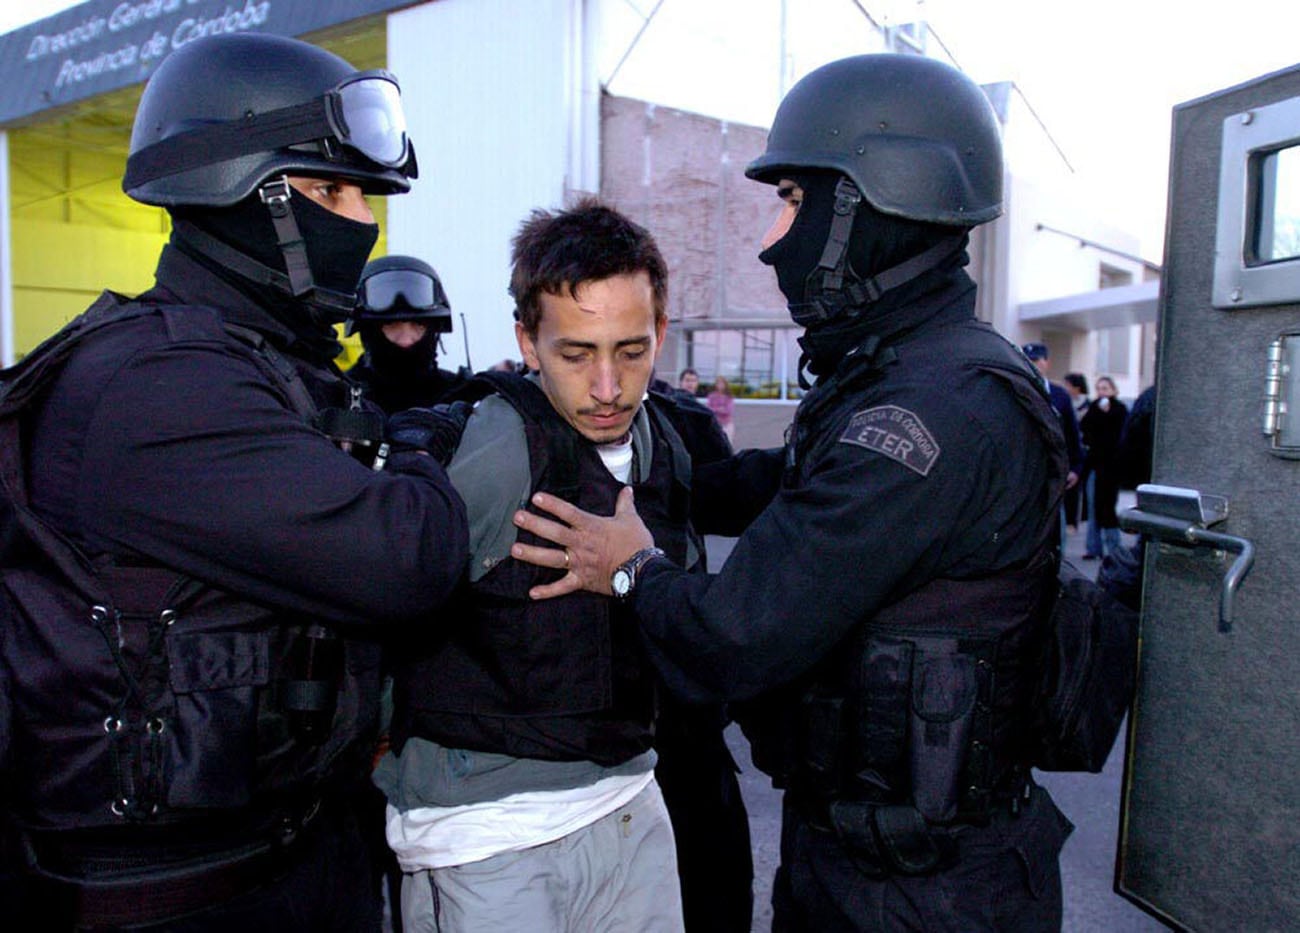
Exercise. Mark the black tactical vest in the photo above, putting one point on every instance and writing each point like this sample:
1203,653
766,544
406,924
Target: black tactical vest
928,707
557,679
140,696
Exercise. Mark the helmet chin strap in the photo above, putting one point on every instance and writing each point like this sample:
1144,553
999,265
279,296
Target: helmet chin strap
298,283
275,195
833,290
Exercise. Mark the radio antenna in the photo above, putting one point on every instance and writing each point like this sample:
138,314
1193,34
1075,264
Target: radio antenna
464,331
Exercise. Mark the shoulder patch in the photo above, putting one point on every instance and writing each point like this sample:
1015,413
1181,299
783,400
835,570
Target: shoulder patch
895,432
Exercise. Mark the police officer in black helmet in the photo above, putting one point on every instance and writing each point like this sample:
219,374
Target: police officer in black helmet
211,534
886,610
401,316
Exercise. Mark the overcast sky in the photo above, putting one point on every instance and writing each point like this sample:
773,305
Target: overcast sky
1103,75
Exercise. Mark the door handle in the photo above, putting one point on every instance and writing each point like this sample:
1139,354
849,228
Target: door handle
1179,516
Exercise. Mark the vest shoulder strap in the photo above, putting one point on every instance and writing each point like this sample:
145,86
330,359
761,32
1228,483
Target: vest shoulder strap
22,384
552,444
522,393
659,408
25,379
278,367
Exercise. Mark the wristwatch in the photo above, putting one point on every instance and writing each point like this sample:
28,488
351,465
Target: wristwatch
623,582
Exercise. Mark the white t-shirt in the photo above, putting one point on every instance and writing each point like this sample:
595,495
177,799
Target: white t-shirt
437,837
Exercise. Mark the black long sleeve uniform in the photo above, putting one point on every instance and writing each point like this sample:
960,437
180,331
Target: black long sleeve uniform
187,455
865,518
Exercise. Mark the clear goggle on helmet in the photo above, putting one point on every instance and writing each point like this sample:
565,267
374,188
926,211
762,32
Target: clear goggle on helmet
361,114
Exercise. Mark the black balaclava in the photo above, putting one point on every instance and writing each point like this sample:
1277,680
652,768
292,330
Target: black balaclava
795,255
399,364
878,242
337,250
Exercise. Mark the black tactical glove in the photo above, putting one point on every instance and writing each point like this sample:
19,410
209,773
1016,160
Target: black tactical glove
435,431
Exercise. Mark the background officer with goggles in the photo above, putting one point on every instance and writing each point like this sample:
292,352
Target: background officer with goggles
888,606
190,662
401,315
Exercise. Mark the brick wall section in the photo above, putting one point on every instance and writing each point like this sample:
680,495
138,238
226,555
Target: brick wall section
681,175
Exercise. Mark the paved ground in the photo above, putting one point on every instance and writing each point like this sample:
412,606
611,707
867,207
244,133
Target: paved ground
1091,801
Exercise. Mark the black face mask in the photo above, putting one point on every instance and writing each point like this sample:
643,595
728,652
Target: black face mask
245,225
878,241
395,363
337,247
796,254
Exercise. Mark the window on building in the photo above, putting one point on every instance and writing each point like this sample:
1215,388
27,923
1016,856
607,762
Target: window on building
1113,350
759,363
1112,277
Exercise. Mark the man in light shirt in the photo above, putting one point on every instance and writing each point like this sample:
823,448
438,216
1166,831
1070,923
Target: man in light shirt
521,788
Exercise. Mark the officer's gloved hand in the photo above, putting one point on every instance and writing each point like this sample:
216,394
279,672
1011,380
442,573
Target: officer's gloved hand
435,431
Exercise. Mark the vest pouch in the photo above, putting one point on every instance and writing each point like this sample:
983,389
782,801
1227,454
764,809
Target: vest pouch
823,719
216,678
944,691
1089,672
770,722
890,839
881,724
63,685
310,692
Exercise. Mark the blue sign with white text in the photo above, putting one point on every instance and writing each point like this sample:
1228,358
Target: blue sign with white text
104,45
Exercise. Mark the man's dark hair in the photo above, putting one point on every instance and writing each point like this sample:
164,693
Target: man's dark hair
1078,380
1036,351
682,375
554,252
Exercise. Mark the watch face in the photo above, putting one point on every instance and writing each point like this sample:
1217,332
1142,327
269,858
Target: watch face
621,582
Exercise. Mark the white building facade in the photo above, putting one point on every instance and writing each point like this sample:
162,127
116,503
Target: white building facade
509,106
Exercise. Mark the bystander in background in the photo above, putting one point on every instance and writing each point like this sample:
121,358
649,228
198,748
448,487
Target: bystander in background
1076,497
1101,427
723,406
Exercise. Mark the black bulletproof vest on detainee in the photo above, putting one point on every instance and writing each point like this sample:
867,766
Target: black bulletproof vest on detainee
555,679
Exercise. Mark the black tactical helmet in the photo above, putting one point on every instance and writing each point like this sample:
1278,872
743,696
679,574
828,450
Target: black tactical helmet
917,137
223,114
402,288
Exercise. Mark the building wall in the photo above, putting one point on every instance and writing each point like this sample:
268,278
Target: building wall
681,175
507,115
74,232
492,91
1046,264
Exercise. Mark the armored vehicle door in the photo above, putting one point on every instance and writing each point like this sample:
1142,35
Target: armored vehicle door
1210,834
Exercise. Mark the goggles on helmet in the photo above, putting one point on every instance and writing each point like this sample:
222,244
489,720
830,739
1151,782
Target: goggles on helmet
363,113
381,291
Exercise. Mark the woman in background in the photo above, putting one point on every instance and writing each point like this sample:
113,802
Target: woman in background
1101,426
723,407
